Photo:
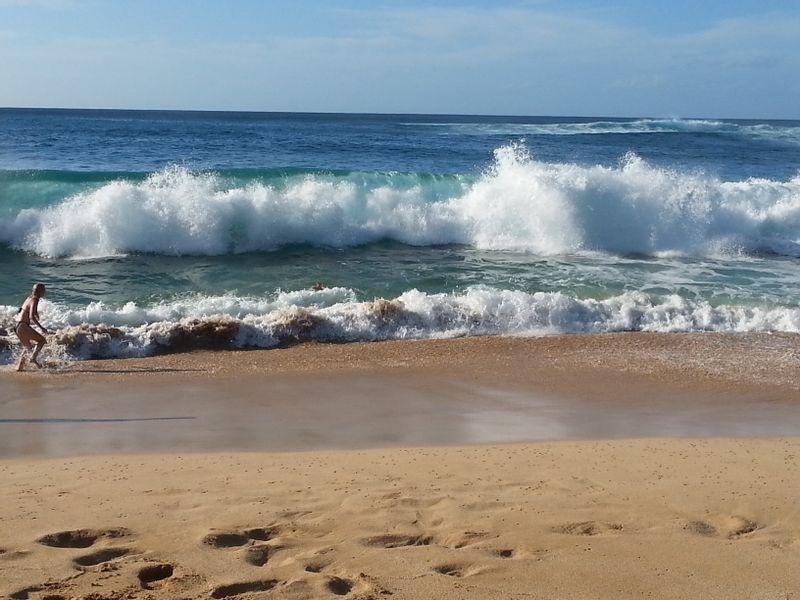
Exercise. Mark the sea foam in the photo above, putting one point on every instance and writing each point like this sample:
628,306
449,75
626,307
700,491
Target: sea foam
517,204
336,315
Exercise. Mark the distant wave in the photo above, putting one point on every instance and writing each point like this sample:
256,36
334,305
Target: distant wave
336,315
517,204
789,134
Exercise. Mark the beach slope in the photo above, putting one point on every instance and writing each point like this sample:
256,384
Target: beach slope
642,465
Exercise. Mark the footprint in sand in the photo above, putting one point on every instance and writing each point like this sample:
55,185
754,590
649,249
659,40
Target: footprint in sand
9,555
450,570
701,528
738,526
258,555
261,534
226,540
462,540
245,587
315,567
154,573
339,586
25,593
81,538
253,553
731,527
235,539
588,528
398,541
100,557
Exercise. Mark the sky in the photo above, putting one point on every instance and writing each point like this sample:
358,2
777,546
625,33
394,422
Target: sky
698,58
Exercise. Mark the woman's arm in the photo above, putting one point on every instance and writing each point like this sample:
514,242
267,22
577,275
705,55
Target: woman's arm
35,314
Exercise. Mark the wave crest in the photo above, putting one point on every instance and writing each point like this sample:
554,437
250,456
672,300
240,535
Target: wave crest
517,204
782,134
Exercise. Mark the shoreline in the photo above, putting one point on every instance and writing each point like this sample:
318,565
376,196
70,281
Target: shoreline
409,470
410,394
712,356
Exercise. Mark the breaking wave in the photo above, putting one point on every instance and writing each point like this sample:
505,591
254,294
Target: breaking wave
783,133
336,315
517,204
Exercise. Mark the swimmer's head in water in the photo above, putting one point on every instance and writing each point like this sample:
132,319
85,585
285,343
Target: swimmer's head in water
38,290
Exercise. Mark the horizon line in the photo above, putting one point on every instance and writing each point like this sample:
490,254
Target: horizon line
389,114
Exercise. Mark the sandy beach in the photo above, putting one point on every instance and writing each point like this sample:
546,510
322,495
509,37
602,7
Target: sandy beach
615,466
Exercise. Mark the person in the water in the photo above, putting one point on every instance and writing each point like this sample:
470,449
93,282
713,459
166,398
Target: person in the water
27,317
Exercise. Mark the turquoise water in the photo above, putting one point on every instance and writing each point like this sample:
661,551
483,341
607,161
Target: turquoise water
155,223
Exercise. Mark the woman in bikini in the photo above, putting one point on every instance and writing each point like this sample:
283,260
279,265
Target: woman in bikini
28,316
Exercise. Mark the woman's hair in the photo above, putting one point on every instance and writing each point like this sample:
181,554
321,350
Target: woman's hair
38,290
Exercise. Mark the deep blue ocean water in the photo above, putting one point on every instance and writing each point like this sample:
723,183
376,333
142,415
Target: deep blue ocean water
153,229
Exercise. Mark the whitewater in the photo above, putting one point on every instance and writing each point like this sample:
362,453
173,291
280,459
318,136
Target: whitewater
417,227
517,204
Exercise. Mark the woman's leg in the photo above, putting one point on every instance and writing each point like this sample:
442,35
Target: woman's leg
29,338
39,341
23,333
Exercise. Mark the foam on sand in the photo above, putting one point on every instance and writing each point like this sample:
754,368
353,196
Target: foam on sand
336,315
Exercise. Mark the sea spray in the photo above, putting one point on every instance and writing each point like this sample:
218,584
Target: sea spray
518,204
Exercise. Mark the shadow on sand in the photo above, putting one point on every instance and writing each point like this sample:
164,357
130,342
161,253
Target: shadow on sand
111,420
131,370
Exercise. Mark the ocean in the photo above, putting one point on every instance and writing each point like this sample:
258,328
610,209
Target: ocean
161,231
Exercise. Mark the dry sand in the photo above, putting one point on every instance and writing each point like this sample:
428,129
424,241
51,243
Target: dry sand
621,518
626,519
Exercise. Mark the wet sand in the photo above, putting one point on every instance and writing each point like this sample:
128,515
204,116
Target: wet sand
386,471
455,392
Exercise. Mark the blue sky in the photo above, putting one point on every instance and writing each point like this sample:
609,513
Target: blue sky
735,58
